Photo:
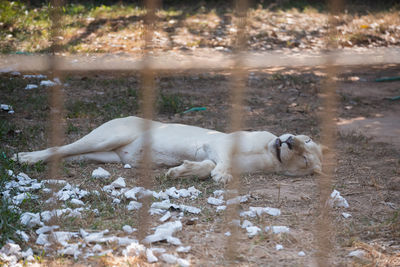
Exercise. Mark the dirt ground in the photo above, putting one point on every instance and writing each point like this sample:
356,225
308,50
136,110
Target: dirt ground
367,151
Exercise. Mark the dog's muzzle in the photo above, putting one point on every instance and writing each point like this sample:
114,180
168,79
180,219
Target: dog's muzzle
278,144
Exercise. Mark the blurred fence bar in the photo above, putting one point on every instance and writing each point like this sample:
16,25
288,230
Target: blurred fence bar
238,85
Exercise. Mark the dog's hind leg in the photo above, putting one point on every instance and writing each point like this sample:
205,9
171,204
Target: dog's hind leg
201,169
102,157
107,137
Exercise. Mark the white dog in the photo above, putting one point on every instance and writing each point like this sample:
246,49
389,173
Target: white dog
195,151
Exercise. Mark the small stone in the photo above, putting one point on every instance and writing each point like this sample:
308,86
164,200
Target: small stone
128,229
127,166
357,253
47,83
183,262
134,205
97,248
168,258
252,231
166,216
183,249
77,202
119,183
150,256
215,201
221,208
346,215
301,253
277,229
31,86
100,173
23,235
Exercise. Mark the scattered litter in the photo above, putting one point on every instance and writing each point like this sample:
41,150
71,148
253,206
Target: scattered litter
164,231
166,217
337,200
166,204
246,224
218,193
346,215
184,249
258,211
127,166
124,241
28,255
43,240
15,73
47,83
31,86
39,76
134,249
183,262
30,219
150,256
195,109
221,208
357,253
70,249
97,248
11,249
77,202
131,194
301,253
93,237
23,235
277,229
168,258
128,229
227,233
215,201
100,173
45,229
237,200
116,201
119,183
63,237
252,231
278,247
5,107
134,205
8,108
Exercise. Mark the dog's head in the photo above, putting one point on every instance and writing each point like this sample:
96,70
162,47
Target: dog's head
298,154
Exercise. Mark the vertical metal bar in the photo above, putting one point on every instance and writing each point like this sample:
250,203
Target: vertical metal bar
55,94
324,230
148,100
236,121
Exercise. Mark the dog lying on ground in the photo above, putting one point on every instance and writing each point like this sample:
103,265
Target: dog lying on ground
189,150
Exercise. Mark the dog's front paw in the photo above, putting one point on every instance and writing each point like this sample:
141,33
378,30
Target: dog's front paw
221,177
172,173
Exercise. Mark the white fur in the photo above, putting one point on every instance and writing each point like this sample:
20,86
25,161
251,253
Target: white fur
194,151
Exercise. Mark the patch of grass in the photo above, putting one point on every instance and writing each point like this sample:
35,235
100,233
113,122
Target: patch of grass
9,217
170,104
71,128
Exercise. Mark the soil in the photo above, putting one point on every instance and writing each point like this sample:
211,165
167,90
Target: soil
367,150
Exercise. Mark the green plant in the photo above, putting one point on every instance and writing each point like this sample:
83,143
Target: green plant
9,217
170,104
